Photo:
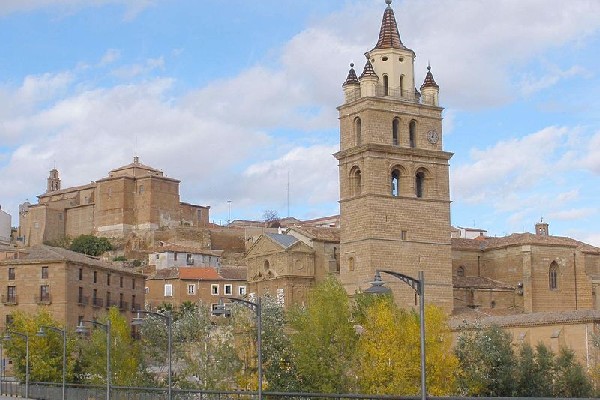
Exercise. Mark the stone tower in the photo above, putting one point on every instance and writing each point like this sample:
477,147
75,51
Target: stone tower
53,181
394,189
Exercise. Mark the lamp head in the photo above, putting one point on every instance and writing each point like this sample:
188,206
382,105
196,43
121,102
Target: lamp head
138,320
41,332
81,329
377,286
7,336
221,310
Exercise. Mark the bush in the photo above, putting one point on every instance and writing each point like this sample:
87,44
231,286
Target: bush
90,245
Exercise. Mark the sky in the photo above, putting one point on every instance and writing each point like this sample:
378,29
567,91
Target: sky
237,99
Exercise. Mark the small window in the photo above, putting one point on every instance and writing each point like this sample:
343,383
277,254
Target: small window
395,183
168,290
157,256
419,184
351,264
146,290
44,272
460,271
44,292
80,296
9,319
357,131
412,133
120,281
80,274
108,279
108,299
241,290
175,256
402,235
214,289
355,181
553,276
228,289
141,190
95,276
133,283
385,85
191,289
11,274
401,84
189,259
395,129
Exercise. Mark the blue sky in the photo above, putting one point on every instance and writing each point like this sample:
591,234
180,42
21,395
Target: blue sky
233,97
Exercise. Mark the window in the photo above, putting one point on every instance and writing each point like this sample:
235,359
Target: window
44,272
385,85
401,85
80,320
189,259
553,276
355,181
395,126
419,184
146,290
134,306
11,274
168,290
141,190
11,295
108,299
402,235
80,296
214,289
175,256
357,131
108,279
191,289
241,290
133,283
460,271
9,319
395,183
95,276
351,264
44,293
80,274
228,289
120,281
412,132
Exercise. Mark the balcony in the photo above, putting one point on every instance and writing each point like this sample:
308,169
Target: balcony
10,300
83,301
43,299
97,302
396,94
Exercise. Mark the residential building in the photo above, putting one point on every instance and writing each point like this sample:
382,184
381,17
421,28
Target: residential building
70,286
5,227
168,255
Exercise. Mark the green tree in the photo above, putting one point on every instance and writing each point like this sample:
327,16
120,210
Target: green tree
570,379
388,352
324,339
45,353
125,365
90,245
535,369
487,363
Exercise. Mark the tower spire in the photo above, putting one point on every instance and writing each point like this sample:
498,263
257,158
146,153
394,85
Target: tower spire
389,37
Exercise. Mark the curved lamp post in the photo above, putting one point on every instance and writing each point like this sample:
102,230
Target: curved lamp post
8,336
257,308
42,333
82,329
418,286
168,317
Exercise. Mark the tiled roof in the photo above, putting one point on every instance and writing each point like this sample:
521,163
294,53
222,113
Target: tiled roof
165,273
351,78
172,247
284,241
518,239
203,274
429,81
368,70
478,282
234,273
319,233
474,320
137,164
389,37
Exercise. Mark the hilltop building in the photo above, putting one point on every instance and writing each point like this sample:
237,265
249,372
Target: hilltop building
5,227
133,198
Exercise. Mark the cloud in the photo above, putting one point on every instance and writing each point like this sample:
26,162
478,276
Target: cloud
132,7
132,71
110,57
531,84
573,214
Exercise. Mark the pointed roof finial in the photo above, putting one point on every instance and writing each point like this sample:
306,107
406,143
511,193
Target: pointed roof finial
429,81
389,37
351,78
368,70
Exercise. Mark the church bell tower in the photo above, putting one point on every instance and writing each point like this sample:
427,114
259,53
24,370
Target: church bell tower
394,174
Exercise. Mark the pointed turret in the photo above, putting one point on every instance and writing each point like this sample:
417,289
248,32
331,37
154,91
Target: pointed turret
368,80
351,85
389,37
429,89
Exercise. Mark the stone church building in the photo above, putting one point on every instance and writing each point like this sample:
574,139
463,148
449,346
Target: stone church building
132,198
395,215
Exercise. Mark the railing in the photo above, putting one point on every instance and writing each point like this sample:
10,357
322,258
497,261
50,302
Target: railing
10,299
97,302
396,94
83,300
43,299
112,303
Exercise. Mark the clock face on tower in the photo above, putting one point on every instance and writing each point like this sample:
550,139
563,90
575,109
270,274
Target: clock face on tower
433,136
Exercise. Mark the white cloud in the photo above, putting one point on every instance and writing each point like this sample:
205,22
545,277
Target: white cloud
132,7
532,83
110,57
132,71
573,214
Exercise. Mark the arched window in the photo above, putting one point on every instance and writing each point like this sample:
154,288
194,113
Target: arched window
412,133
351,264
460,271
355,181
553,276
385,85
420,183
266,265
401,85
395,128
357,130
395,183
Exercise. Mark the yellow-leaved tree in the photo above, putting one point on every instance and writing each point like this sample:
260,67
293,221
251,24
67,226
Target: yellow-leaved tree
388,352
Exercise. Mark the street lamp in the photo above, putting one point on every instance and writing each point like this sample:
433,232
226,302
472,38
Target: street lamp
418,286
83,330
138,320
257,308
42,333
8,336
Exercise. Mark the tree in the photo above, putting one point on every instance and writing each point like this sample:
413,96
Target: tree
487,363
570,379
125,360
324,339
45,353
388,351
90,245
271,218
535,370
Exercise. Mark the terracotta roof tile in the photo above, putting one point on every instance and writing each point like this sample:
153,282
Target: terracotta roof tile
324,234
234,273
351,79
389,37
478,282
429,81
474,319
203,274
368,70
519,239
